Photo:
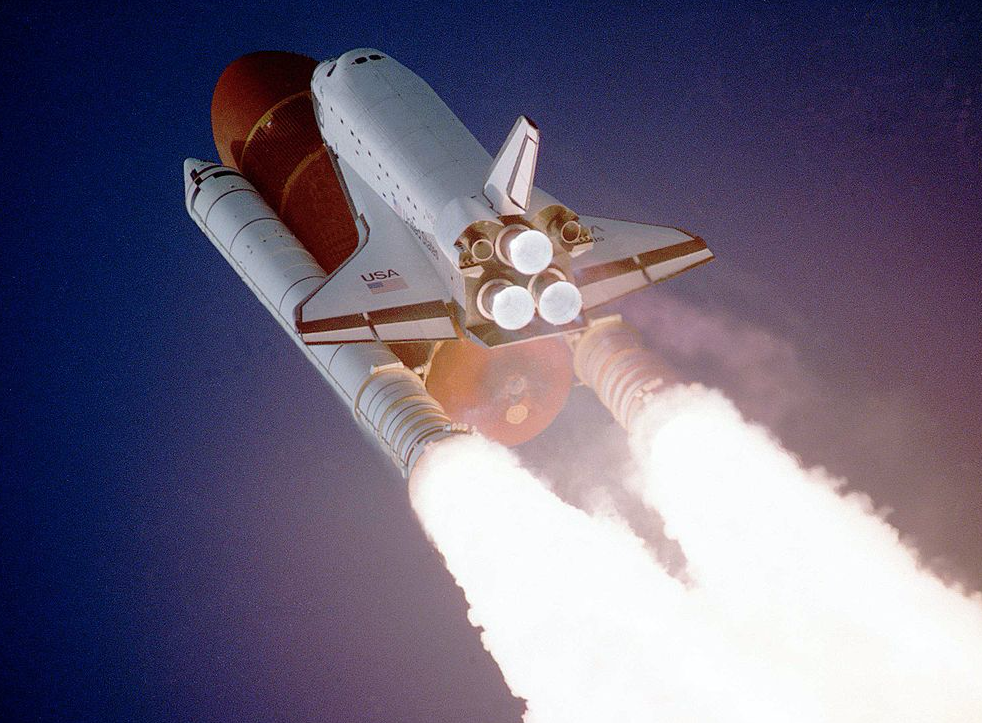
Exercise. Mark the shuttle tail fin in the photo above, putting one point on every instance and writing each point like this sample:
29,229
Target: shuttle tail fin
508,185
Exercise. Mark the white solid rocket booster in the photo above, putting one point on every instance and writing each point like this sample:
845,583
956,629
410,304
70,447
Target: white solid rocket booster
387,399
610,358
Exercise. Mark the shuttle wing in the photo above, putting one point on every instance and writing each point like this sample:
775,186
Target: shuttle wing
386,291
627,256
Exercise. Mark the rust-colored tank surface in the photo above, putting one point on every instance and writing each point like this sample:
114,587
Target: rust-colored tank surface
510,394
262,117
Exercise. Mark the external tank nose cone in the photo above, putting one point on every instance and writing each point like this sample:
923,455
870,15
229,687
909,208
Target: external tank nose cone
263,119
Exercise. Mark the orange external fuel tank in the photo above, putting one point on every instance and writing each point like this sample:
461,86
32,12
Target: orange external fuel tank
511,393
262,117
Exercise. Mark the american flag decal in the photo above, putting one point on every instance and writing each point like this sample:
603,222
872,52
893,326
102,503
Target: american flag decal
383,286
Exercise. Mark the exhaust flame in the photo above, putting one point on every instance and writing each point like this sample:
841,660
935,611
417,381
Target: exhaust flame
582,621
810,575
803,604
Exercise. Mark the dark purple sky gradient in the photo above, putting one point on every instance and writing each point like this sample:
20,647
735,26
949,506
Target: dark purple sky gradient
194,527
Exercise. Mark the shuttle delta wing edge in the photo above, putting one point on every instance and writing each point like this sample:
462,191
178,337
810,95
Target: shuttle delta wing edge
386,291
628,256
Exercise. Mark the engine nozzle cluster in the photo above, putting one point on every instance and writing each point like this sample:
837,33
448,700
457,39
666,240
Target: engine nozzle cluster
513,307
511,301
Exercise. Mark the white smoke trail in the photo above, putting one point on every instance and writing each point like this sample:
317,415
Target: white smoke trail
813,577
582,622
779,624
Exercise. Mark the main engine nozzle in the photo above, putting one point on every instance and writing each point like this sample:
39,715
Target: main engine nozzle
509,306
529,251
558,301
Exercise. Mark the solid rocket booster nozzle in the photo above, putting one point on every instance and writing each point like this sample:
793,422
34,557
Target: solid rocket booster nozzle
609,357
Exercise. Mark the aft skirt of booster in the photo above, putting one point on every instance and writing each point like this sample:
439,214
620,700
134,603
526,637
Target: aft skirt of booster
610,358
388,399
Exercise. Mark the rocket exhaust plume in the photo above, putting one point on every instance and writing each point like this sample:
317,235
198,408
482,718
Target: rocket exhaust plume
580,618
806,576
801,602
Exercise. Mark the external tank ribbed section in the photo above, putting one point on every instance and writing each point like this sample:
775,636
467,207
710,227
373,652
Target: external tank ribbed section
388,399
280,142
263,120
609,357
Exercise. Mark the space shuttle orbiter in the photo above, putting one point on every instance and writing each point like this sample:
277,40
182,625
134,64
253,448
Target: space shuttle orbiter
371,222
455,242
